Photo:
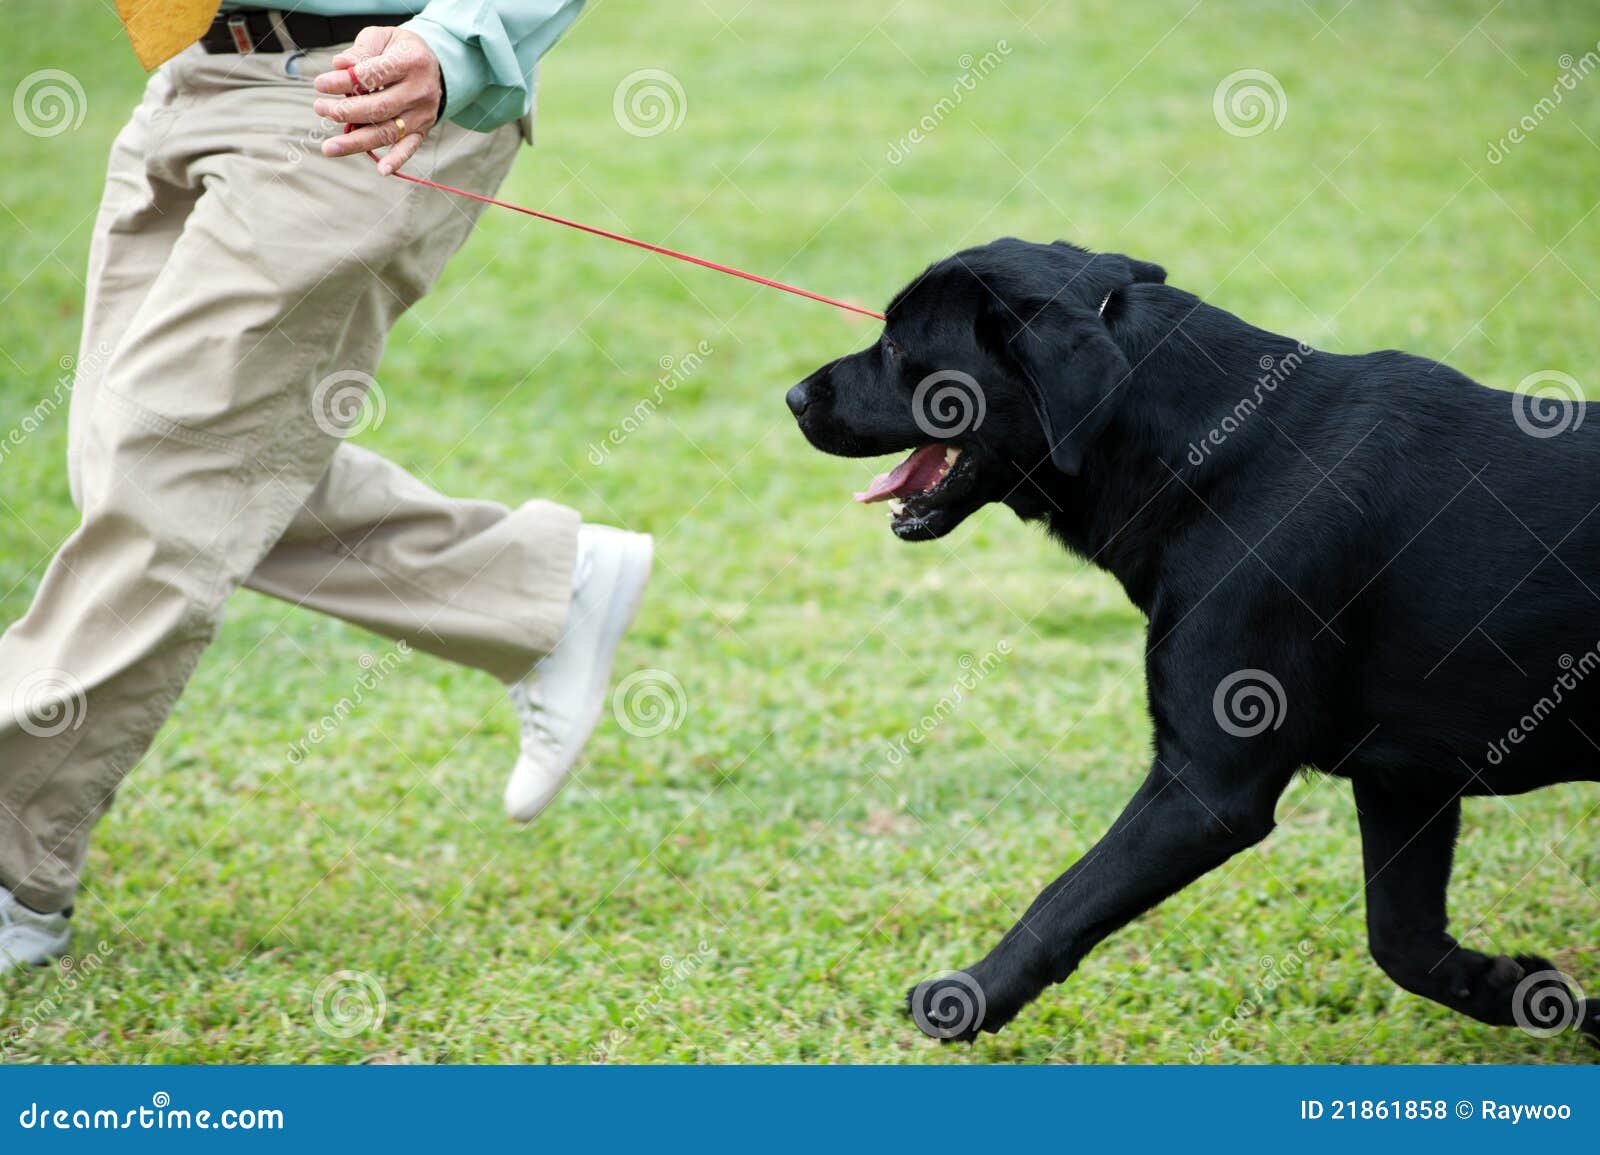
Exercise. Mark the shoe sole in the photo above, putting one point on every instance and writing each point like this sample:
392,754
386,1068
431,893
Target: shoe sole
640,558
54,952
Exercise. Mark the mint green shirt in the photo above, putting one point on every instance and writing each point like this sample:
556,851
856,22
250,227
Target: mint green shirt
487,49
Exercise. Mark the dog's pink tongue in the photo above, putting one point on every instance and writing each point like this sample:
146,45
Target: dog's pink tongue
913,475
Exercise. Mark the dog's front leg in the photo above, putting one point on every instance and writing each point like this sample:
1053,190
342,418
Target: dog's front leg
1180,824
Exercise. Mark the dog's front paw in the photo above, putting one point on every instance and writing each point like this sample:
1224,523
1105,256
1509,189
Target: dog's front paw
952,1008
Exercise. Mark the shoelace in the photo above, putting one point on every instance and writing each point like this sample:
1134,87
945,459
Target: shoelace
533,720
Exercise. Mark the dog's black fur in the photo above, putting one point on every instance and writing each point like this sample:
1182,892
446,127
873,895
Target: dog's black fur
1377,535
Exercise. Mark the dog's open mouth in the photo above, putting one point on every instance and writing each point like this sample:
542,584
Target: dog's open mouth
922,489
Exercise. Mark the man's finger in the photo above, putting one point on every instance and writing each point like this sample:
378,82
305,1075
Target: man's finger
357,70
397,156
380,134
368,43
335,83
379,106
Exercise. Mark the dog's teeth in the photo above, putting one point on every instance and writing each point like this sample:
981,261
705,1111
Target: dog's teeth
950,454
896,508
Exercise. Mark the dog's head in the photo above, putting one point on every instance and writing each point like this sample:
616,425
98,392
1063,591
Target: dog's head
992,364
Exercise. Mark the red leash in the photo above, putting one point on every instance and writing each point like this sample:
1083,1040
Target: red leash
664,251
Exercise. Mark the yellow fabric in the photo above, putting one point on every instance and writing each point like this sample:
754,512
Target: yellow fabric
160,29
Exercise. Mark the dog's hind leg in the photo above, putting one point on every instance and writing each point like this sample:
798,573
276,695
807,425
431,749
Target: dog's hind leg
1180,824
1408,844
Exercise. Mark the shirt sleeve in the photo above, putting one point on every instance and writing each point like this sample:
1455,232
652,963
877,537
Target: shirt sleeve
487,50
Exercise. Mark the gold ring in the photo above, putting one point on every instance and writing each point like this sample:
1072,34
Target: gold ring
400,123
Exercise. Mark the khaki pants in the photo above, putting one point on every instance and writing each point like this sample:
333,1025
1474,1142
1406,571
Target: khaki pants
240,290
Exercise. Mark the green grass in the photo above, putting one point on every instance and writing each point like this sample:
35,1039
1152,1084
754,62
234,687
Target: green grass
228,884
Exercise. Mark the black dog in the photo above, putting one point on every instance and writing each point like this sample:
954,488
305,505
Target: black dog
1365,565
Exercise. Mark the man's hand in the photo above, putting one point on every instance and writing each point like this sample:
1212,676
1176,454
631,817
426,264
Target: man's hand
400,74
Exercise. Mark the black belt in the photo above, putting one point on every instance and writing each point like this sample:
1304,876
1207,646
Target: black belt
247,30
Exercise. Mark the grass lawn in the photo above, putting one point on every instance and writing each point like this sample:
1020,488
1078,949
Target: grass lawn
763,880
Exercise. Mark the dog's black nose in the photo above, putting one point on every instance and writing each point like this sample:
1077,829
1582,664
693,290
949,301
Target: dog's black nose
797,399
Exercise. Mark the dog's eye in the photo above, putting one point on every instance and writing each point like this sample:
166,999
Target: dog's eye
894,350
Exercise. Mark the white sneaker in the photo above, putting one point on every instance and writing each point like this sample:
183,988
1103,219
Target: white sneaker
28,938
559,703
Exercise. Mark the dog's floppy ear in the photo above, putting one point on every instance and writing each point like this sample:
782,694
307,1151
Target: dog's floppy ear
1074,371
1138,270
